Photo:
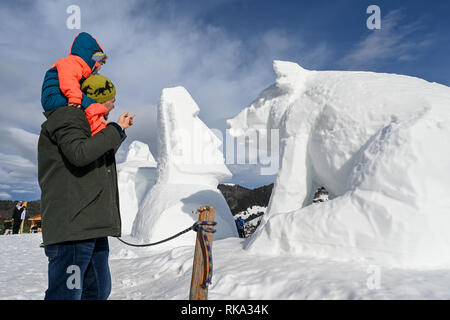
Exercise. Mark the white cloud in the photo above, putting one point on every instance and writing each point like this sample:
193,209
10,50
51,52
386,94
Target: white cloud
4,196
148,48
395,41
22,191
18,173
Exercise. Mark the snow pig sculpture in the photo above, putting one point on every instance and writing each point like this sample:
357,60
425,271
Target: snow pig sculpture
379,143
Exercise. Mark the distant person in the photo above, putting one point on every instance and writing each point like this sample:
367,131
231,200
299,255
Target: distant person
79,199
33,228
8,226
321,195
17,213
240,224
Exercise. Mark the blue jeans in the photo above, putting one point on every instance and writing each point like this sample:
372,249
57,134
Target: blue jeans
78,270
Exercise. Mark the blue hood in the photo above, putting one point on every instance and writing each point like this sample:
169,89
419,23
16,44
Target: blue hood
85,46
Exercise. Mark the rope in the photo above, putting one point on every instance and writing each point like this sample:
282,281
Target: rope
197,226
159,242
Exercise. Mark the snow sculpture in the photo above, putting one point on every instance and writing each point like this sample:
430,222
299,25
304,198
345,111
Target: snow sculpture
135,176
379,143
190,166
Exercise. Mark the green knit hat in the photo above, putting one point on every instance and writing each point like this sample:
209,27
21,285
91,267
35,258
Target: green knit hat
99,88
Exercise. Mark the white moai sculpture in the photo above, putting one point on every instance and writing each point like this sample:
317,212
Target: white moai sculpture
190,166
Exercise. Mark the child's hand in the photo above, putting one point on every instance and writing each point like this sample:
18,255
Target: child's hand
125,121
104,120
97,69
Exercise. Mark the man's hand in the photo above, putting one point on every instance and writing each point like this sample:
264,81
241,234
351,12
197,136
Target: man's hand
125,121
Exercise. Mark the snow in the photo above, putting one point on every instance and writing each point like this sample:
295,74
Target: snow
154,274
252,210
135,176
378,143
190,167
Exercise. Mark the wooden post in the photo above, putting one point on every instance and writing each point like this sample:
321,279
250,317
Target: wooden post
21,226
200,267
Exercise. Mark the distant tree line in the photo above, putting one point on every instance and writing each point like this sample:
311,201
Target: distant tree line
240,198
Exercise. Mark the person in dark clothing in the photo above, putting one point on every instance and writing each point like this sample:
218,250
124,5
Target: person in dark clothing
240,224
34,228
8,227
321,195
17,213
79,201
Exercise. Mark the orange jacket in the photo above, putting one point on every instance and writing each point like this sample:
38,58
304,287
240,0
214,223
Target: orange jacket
71,69
96,117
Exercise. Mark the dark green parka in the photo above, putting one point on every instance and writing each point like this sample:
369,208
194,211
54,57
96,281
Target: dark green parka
78,178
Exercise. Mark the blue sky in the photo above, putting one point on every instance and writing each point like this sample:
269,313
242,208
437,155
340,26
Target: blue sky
338,25
220,51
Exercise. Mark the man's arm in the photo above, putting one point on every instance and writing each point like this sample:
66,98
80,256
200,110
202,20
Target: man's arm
121,131
71,132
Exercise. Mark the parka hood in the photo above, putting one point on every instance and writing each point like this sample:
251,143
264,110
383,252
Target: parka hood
84,46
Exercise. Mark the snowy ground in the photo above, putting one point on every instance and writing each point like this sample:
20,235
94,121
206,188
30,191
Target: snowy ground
144,273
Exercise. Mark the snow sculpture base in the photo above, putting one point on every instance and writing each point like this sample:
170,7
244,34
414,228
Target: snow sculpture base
135,177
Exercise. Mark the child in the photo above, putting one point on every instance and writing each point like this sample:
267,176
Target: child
62,81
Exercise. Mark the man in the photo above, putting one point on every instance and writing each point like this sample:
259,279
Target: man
79,200
17,213
240,224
